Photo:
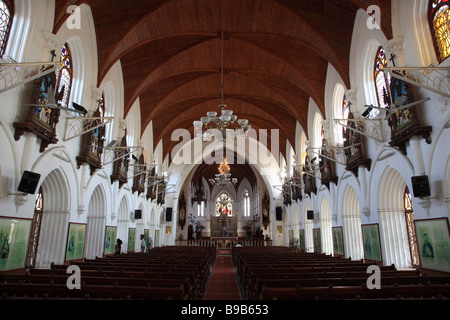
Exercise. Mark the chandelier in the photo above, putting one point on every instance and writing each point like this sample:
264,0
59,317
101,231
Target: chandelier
226,122
223,178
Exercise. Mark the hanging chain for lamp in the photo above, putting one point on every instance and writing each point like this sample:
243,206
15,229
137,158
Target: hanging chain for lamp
226,119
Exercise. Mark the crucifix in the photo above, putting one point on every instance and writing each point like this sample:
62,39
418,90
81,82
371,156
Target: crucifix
53,54
392,59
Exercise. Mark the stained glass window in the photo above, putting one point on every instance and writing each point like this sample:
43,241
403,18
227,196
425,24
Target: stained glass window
440,27
39,203
6,18
224,204
381,82
64,77
345,110
407,200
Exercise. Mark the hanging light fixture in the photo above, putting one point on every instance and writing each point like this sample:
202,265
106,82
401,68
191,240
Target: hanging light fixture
225,120
223,177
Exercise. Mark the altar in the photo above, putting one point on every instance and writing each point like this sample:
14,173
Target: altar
224,227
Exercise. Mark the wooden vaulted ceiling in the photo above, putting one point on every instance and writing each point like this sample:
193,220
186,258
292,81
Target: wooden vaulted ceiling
276,55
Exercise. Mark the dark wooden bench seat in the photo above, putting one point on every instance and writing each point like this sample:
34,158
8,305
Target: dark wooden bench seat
55,291
434,291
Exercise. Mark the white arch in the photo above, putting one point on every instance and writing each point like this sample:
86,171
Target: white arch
96,221
123,221
325,226
395,244
351,221
55,220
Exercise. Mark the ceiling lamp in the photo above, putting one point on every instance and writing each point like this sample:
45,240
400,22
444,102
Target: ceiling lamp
226,121
223,177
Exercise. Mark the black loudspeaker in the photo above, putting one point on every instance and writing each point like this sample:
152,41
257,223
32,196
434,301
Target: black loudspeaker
421,186
137,214
29,182
168,214
279,213
310,215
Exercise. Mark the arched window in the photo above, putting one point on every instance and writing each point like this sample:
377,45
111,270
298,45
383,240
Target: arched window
439,20
246,204
345,108
64,77
381,82
6,18
39,203
224,204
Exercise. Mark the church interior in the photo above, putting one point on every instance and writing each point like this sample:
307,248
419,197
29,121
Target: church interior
295,143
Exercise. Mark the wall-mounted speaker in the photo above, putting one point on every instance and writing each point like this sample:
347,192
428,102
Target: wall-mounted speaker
279,213
28,182
168,214
421,186
310,215
137,214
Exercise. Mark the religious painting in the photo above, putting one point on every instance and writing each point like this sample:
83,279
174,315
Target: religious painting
152,188
371,242
131,239
327,166
161,193
14,235
287,193
434,243
338,241
317,240
75,241
279,229
93,140
301,239
147,239
405,122
295,187
110,239
309,178
139,176
39,119
120,167
168,229
156,238
354,146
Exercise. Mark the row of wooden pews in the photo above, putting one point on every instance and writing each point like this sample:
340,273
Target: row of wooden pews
166,273
276,273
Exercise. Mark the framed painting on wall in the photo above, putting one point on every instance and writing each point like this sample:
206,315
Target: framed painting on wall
75,241
14,235
156,238
301,238
147,238
131,239
371,242
110,240
338,241
317,240
434,244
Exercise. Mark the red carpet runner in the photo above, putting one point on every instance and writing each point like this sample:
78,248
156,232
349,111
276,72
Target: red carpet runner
223,284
